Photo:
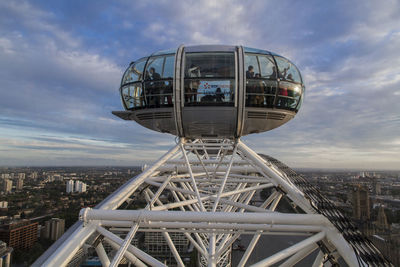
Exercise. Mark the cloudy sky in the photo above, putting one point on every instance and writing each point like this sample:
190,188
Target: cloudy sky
61,64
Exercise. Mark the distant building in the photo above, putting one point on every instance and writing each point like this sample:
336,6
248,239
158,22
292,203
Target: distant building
21,175
21,234
20,183
5,255
82,188
7,186
381,222
77,186
54,228
70,186
378,189
361,205
34,175
3,204
58,177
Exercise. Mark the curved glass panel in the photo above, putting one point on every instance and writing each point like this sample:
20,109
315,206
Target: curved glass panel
301,98
158,93
154,68
287,70
288,95
158,81
255,50
169,66
267,67
260,80
209,65
209,79
260,93
259,66
134,72
164,52
251,65
133,96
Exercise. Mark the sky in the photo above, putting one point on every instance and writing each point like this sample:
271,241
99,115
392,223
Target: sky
61,63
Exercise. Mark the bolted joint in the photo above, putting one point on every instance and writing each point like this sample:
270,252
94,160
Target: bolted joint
82,214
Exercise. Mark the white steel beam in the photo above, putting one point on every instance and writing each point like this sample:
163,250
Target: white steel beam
128,255
88,214
74,242
105,261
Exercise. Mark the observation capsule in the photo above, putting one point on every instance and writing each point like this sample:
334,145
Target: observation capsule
211,91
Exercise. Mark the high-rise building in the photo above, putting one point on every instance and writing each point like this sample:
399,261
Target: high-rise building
70,186
77,186
22,234
7,186
54,228
21,175
82,187
361,205
381,222
20,183
5,176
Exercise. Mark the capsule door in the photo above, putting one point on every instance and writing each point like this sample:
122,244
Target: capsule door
208,94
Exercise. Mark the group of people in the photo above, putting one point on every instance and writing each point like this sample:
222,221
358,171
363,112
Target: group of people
284,75
260,94
158,92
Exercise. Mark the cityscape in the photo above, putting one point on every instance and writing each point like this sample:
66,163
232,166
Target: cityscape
39,204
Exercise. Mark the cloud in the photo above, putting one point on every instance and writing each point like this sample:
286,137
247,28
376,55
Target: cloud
61,64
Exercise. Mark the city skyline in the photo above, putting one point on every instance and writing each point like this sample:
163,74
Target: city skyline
61,65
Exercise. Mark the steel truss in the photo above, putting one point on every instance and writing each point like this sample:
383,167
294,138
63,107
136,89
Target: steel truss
208,191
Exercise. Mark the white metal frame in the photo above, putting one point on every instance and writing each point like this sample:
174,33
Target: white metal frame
214,185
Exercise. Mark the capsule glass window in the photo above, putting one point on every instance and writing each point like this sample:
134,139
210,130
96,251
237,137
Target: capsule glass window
287,70
260,81
154,68
158,81
133,96
289,95
210,65
135,72
209,79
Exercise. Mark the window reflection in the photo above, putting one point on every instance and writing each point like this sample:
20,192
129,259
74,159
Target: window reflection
209,92
288,95
287,71
154,68
210,65
260,66
158,81
158,93
260,93
133,96
209,79
134,72
260,80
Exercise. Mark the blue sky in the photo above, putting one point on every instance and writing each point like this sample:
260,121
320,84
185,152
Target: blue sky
61,64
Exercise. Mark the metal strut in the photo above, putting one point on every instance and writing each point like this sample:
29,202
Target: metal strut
202,197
